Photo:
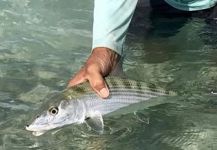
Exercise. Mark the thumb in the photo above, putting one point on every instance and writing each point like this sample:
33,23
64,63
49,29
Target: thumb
99,85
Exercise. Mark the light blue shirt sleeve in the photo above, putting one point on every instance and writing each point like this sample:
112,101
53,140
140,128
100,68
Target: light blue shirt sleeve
192,5
111,21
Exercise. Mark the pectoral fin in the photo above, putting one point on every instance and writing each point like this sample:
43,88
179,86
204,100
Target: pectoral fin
95,121
38,133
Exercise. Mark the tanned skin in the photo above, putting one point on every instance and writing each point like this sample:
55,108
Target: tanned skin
99,64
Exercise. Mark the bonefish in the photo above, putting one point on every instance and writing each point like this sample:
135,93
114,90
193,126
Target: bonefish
80,104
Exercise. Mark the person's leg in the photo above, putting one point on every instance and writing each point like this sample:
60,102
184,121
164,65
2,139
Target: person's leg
166,20
212,18
160,7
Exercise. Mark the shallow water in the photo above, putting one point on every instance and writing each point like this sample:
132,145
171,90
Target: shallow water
42,43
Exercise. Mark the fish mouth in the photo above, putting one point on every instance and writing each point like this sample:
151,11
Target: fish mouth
35,132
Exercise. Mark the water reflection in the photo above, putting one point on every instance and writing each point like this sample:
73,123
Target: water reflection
41,47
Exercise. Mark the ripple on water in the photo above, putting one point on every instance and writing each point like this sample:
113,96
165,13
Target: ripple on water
36,94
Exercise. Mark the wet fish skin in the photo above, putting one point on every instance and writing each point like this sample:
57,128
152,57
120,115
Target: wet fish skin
80,104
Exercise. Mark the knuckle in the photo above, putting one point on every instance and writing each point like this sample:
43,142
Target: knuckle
98,85
91,69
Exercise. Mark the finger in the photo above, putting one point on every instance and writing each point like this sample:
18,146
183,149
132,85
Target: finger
77,79
99,85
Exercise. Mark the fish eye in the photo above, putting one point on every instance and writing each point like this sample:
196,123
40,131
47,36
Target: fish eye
53,110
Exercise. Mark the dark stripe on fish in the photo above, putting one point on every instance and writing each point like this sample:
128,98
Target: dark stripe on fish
126,84
138,93
138,85
152,86
111,82
79,90
142,89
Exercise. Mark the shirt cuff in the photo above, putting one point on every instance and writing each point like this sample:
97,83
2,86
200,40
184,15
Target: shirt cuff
113,45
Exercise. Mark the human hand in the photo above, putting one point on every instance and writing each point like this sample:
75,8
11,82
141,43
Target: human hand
100,63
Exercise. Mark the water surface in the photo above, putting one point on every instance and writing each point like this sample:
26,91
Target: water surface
42,43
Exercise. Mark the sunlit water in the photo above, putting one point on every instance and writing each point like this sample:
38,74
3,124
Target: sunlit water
43,42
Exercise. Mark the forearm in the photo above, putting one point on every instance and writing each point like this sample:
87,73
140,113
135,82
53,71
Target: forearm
111,21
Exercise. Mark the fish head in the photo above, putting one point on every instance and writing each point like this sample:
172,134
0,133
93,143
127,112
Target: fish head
53,117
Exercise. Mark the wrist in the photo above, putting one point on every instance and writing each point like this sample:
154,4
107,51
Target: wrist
105,58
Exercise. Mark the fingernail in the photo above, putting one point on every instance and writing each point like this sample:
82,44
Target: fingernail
104,93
